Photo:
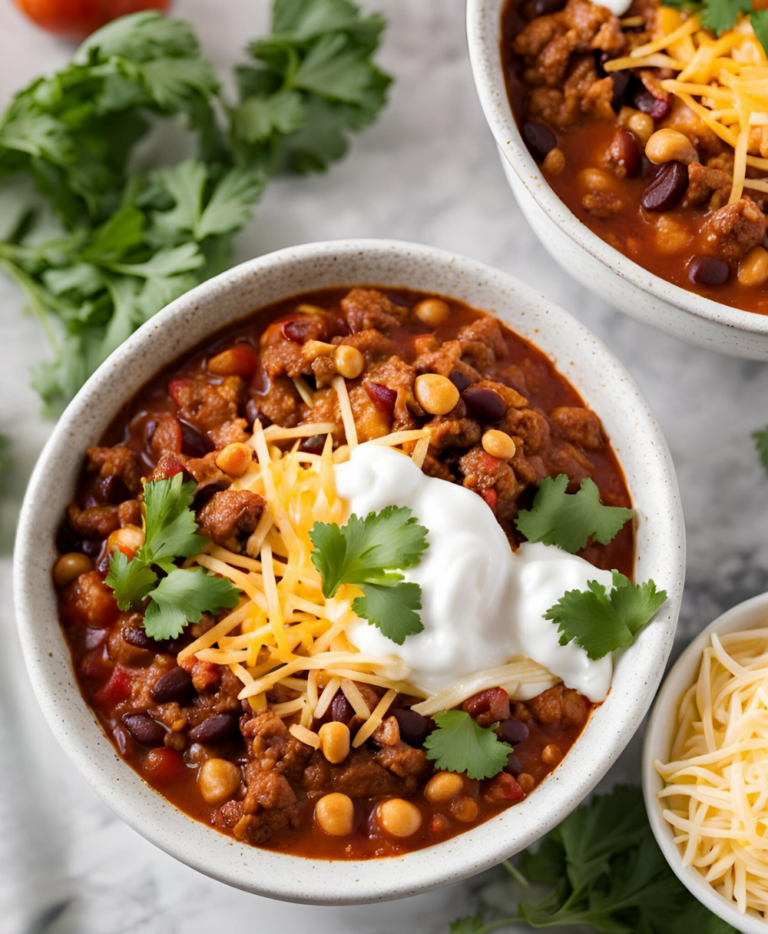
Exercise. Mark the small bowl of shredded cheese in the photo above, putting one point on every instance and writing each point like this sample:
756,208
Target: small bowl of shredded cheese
705,767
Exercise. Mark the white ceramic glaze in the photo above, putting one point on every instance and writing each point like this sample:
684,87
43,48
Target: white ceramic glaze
605,386
657,742
579,251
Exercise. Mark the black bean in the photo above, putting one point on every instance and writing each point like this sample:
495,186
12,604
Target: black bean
414,728
538,138
313,444
144,729
626,153
513,766
138,637
214,729
254,414
512,731
484,404
174,685
341,709
620,83
661,107
195,443
708,270
92,547
459,380
205,492
545,7
642,99
666,188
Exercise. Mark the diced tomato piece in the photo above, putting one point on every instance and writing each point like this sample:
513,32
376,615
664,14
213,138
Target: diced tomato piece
490,496
239,360
117,689
164,766
490,463
504,787
175,388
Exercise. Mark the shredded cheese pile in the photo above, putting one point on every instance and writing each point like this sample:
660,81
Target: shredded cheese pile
285,633
716,785
723,80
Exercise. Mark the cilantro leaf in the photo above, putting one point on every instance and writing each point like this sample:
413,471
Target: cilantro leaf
569,520
761,437
368,553
600,622
182,597
131,580
722,14
460,745
171,527
759,20
472,924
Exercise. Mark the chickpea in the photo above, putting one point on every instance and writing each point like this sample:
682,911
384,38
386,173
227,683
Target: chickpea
526,782
551,754
435,394
218,780
314,349
335,813
128,539
234,459
349,361
443,787
425,343
464,809
597,180
399,818
432,311
554,161
672,236
498,444
753,269
69,567
670,146
642,125
334,741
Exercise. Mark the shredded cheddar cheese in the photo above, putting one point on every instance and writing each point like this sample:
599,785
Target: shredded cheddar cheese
724,81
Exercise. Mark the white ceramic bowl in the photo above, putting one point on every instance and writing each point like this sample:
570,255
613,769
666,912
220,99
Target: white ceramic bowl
604,384
659,735
590,260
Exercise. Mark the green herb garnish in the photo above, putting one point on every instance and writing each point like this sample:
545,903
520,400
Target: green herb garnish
600,869
568,520
721,15
460,745
369,553
761,445
601,622
181,596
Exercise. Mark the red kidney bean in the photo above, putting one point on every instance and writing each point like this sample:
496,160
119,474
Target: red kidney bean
93,638
195,443
708,270
620,84
661,107
106,490
459,380
174,685
214,729
666,188
642,99
544,7
382,396
513,766
626,153
414,728
484,404
341,709
308,327
92,547
313,445
205,493
254,414
512,731
143,729
538,138
138,637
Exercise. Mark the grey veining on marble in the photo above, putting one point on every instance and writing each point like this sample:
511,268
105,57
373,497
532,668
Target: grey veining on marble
427,172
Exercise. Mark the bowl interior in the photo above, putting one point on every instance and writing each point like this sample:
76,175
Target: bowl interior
592,369
657,743
484,36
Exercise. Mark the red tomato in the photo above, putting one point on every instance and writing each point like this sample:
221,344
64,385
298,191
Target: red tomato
117,689
164,766
76,19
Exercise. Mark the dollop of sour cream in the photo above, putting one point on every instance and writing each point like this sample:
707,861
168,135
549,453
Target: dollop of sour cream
482,603
617,7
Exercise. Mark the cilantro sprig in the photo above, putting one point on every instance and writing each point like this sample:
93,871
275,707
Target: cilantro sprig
181,596
601,870
761,445
600,621
369,553
569,520
721,15
460,745
103,247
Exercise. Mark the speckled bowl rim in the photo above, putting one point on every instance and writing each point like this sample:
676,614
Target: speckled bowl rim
659,735
604,384
484,38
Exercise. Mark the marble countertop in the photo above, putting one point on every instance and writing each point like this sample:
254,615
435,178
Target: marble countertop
427,172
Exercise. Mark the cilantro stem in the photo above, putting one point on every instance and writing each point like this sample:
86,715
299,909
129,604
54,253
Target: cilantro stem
30,287
492,925
514,872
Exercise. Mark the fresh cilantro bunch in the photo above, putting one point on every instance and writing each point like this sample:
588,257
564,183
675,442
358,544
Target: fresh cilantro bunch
130,242
460,745
369,553
313,83
569,520
600,869
600,621
721,15
181,596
